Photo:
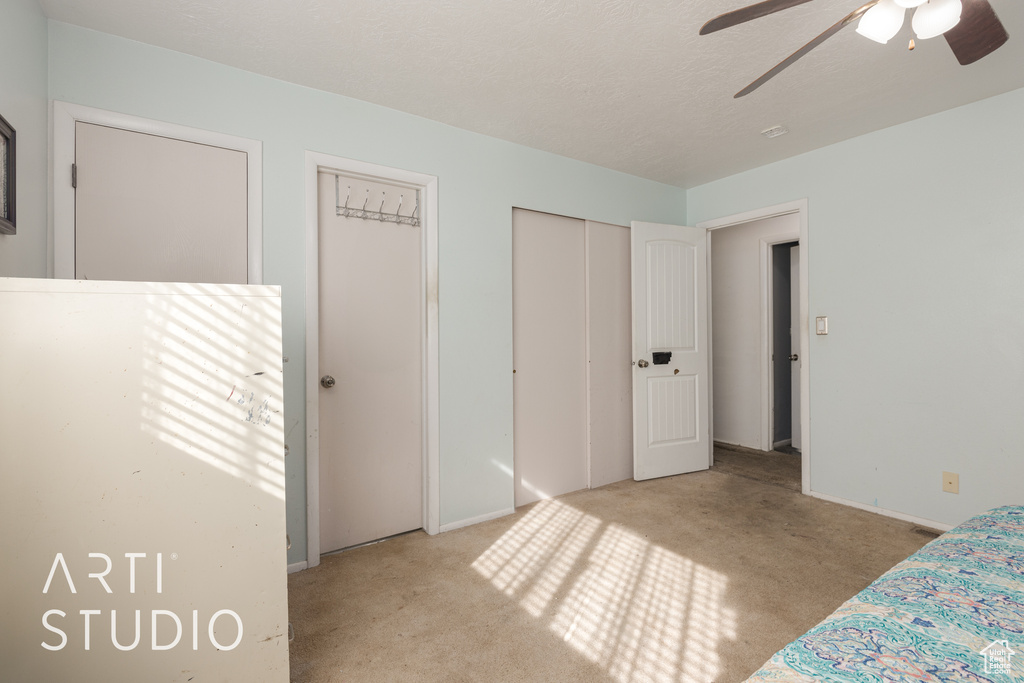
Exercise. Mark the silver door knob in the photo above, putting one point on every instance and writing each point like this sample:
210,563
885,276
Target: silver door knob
642,363
327,381
794,357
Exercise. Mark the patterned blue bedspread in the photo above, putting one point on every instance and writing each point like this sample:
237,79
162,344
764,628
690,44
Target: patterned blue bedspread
953,611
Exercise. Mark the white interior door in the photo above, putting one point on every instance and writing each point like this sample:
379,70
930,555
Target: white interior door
156,209
794,339
371,419
670,310
549,355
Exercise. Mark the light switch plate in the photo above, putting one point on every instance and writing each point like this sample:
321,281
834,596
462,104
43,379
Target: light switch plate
821,324
951,482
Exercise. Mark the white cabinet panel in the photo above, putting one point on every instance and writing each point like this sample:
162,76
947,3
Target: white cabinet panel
143,487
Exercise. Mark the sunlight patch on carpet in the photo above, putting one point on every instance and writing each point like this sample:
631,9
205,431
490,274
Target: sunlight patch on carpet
641,612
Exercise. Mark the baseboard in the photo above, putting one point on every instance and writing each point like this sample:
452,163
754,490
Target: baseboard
297,566
451,526
784,442
920,521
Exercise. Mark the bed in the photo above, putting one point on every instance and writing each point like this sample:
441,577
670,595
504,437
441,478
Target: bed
953,611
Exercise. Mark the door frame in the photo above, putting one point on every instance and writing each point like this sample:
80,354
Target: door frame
798,207
61,235
316,162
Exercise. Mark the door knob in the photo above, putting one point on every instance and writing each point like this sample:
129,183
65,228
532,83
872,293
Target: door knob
327,381
642,363
794,357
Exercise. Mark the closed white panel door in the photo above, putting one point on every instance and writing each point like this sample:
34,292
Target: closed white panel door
371,419
155,209
670,392
549,355
610,341
794,340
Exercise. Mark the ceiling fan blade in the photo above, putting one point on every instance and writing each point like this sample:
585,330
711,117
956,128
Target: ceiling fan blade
746,14
979,32
788,61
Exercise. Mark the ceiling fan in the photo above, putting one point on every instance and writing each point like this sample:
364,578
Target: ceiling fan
971,27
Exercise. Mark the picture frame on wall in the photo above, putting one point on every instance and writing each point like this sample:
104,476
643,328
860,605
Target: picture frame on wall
8,188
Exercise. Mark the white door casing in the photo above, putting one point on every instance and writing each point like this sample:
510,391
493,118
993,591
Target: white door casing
671,433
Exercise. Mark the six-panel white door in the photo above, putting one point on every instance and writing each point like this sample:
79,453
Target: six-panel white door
670,401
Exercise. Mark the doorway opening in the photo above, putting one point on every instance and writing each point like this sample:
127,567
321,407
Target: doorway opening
784,354
758,275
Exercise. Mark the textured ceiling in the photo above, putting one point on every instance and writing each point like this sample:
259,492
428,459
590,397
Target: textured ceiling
625,84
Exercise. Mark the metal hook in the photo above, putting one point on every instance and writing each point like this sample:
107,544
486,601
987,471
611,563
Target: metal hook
347,196
366,199
398,211
416,210
380,211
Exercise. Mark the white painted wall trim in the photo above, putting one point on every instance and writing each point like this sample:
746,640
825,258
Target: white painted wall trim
297,566
427,185
920,521
65,115
799,207
452,526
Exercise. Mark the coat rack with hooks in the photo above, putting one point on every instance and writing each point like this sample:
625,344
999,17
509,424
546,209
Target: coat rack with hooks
370,214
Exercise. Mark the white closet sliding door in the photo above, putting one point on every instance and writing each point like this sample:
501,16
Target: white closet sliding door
549,347
571,355
610,354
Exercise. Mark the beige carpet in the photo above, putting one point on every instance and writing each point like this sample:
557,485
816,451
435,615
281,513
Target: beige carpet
700,577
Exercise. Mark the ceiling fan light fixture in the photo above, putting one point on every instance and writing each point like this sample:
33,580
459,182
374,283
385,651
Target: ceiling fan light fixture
935,17
883,21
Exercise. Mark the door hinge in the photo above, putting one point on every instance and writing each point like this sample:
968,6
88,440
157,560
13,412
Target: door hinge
74,176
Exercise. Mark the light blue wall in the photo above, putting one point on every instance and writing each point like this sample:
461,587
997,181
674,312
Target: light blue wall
916,255
480,180
23,104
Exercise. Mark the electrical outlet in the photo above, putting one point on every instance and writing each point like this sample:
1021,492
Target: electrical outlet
951,482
